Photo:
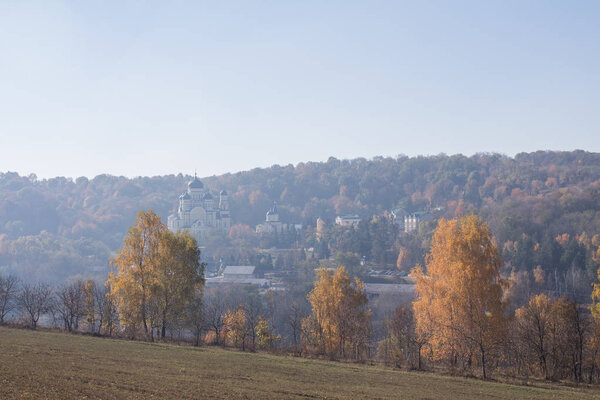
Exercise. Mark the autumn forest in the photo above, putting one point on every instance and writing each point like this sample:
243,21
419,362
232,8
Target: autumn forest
505,269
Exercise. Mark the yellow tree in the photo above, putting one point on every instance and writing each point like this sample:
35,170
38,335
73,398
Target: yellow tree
594,341
533,326
596,292
458,305
234,324
265,333
177,278
340,321
131,279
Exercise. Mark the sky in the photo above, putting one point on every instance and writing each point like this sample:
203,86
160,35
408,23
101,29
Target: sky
143,88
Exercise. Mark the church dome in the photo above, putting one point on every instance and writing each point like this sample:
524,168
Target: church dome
185,196
195,183
223,192
273,210
207,196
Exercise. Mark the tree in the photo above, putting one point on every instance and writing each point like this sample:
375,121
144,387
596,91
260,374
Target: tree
70,304
90,310
252,310
104,308
596,293
294,317
158,274
234,324
552,333
533,327
265,333
459,296
400,345
8,295
340,320
214,310
34,301
195,318
131,282
569,328
177,277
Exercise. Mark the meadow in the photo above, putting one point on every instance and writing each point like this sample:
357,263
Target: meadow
35,364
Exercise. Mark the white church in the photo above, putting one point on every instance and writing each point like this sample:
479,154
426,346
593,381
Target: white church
199,213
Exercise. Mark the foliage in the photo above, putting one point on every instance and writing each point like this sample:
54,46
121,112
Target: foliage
157,274
63,227
340,322
265,333
459,303
234,326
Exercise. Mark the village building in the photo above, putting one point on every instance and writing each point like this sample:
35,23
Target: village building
397,216
412,221
238,275
273,223
347,220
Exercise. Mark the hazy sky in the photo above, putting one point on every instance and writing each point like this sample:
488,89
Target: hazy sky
146,88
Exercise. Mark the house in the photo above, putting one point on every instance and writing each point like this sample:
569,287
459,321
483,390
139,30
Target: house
397,216
239,272
412,221
238,275
347,220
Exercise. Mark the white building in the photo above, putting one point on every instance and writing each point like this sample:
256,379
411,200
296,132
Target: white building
397,216
238,275
198,212
347,220
273,224
412,221
239,272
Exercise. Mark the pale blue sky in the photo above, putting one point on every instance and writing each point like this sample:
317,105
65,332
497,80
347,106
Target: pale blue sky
145,88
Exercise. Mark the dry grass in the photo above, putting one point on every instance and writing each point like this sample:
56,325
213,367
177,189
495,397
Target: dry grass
61,366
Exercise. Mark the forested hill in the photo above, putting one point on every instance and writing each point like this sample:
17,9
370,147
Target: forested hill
57,227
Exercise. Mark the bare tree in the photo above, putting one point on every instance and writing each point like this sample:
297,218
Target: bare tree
252,307
110,317
297,312
101,305
70,304
8,295
195,317
214,309
34,301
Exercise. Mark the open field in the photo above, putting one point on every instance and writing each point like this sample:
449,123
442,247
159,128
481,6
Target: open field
62,366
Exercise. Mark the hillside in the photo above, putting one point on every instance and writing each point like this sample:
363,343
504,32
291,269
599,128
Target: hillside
52,229
60,366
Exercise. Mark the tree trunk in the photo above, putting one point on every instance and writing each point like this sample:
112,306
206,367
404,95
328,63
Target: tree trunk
483,362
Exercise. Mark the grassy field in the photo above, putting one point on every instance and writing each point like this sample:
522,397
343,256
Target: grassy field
60,366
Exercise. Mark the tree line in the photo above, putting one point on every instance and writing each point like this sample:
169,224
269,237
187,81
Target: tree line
460,319
71,226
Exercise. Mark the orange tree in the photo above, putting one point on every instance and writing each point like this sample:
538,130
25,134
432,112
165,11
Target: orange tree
458,306
340,321
156,276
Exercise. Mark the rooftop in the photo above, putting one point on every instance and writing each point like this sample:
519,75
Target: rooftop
195,183
239,270
349,217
